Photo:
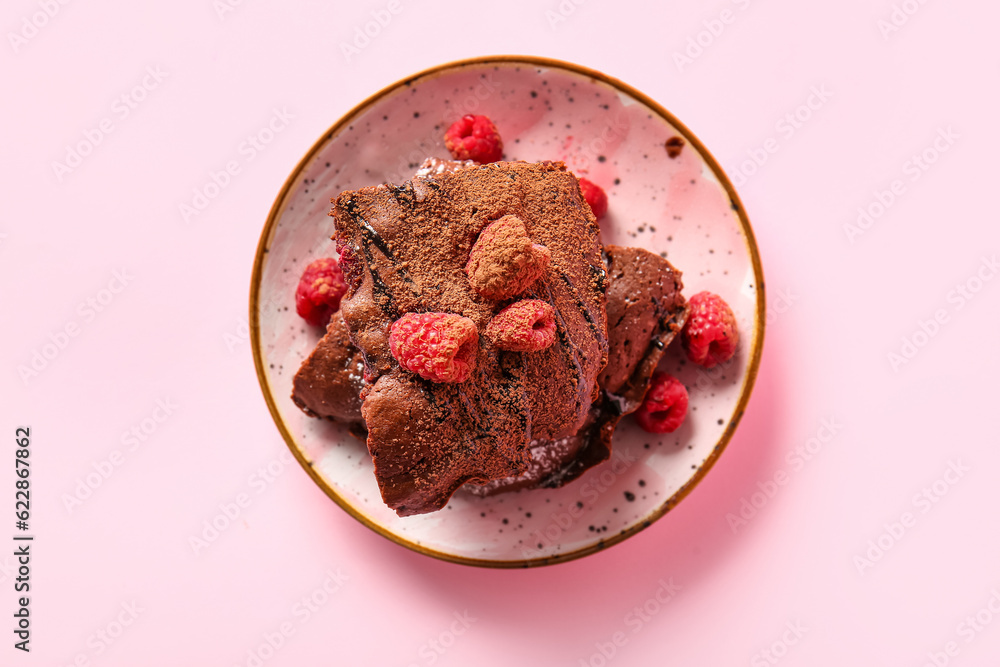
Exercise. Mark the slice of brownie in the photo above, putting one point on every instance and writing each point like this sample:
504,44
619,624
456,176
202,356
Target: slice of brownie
329,382
404,249
645,311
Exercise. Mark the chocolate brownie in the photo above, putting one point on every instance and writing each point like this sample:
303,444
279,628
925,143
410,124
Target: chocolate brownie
329,382
404,249
645,311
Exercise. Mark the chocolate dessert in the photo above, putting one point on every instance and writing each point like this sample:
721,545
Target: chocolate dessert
405,250
645,311
329,382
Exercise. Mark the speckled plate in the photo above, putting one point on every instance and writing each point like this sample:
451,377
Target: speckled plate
678,204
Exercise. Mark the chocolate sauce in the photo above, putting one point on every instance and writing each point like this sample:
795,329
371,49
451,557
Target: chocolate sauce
369,231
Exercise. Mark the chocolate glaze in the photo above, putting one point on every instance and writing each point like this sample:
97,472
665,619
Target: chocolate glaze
427,439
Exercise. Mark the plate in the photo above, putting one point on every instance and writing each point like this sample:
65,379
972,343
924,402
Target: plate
667,194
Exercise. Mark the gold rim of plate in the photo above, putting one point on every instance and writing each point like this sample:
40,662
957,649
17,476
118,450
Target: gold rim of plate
278,208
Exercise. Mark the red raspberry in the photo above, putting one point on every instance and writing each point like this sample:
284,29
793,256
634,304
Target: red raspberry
710,335
503,261
525,326
595,197
665,406
318,295
440,347
474,138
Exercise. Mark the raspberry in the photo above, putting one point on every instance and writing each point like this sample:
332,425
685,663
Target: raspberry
440,347
525,326
665,405
504,262
474,138
318,295
595,197
710,335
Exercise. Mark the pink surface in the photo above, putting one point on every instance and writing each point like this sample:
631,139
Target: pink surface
903,450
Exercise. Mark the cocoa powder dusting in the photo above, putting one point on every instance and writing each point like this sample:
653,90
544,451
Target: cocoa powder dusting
427,438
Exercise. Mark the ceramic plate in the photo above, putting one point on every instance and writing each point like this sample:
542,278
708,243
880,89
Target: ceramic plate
678,204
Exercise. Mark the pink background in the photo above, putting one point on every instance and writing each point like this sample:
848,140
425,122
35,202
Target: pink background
803,578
